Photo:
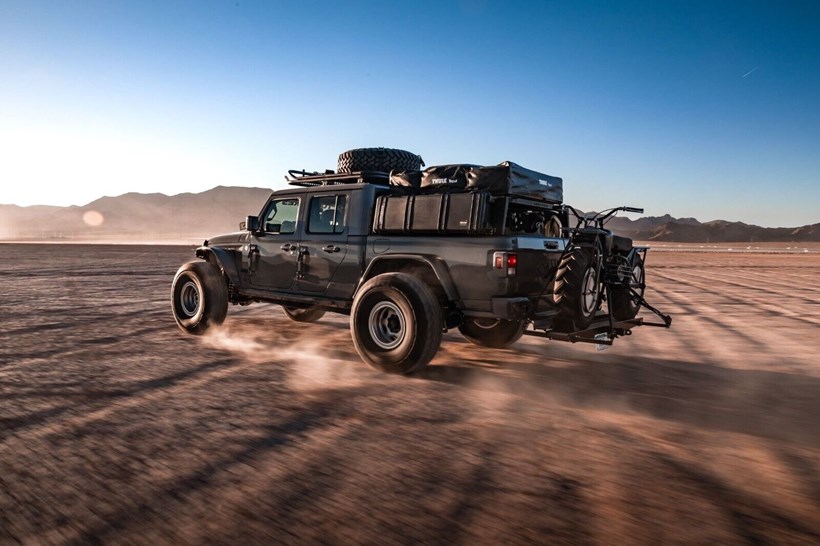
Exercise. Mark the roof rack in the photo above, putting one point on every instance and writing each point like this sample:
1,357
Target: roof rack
329,178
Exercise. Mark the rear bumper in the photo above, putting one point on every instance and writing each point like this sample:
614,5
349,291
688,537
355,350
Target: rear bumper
512,308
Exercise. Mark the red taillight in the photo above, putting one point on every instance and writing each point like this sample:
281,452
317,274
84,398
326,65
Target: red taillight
505,262
512,262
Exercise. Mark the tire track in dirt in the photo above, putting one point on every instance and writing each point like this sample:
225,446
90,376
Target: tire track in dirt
766,281
759,340
314,430
75,323
731,324
61,272
806,470
38,425
124,398
775,310
685,322
759,519
70,308
767,404
764,337
762,293
88,345
756,518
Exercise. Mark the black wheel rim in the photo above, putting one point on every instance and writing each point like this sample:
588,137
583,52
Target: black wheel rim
189,299
386,325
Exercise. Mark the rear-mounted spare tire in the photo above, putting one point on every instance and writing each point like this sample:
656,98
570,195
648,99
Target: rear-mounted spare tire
378,159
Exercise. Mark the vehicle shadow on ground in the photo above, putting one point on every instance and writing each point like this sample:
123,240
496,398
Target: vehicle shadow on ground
772,405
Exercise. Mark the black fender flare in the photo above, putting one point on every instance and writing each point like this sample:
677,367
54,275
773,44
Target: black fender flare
435,263
222,259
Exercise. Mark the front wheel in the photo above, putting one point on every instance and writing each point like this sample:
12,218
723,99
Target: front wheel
494,333
577,293
304,314
199,297
396,322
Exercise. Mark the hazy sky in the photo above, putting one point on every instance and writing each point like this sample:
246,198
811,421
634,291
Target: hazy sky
705,109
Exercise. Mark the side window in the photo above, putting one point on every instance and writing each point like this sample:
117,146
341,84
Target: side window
281,216
327,214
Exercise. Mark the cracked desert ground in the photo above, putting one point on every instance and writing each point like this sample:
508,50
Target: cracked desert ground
117,428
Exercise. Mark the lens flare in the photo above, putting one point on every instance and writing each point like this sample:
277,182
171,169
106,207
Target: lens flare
93,218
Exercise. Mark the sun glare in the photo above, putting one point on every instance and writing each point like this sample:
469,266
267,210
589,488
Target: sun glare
93,218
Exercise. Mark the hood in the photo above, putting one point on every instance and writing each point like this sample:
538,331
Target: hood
228,239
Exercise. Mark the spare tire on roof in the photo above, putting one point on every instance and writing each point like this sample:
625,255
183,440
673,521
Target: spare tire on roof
378,159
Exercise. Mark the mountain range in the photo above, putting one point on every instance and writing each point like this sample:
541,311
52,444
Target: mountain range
689,230
148,217
190,217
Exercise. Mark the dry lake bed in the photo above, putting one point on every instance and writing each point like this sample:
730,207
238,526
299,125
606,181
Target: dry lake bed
117,428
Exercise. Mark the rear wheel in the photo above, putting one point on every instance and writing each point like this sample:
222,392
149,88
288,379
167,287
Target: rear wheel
378,159
199,297
625,304
396,322
304,314
577,293
495,333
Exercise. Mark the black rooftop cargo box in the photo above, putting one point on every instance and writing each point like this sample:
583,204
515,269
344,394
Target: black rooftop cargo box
509,178
406,179
506,178
446,177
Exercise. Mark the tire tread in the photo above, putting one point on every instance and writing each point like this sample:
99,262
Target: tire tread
378,159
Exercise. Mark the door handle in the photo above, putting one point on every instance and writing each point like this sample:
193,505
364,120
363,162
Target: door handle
287,247
331,248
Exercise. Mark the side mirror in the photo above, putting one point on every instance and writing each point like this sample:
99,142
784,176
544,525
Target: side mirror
251,224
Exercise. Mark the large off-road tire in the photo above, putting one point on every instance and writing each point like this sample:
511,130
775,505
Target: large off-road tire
304,314
396,322
378,159
199,297
625,305
577,293
495,333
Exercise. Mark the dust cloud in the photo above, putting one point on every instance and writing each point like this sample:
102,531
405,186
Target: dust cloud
312,354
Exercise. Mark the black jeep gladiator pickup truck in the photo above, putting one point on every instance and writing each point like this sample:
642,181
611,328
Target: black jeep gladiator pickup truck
409,253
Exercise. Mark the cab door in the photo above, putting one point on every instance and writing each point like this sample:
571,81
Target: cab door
323,241
273,251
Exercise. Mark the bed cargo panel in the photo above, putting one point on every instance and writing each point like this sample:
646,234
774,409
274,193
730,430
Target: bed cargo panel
426,213
391,214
